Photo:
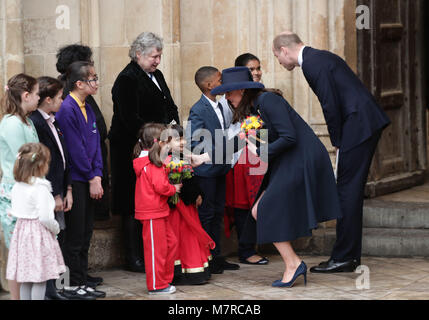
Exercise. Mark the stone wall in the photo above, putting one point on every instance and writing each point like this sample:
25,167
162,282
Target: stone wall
195,32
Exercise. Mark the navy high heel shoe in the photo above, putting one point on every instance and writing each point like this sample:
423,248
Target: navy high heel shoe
301,270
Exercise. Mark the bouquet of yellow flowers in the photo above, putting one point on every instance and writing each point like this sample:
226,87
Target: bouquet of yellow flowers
251,127
177,172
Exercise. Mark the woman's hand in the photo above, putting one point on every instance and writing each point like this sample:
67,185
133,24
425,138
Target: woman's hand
68,201
95,188
59,205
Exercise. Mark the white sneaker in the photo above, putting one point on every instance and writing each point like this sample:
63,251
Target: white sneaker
170,289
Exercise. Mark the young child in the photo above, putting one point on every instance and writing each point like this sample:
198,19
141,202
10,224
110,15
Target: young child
151,208
50,92
194,243
34,253
77,121
20,99
208,115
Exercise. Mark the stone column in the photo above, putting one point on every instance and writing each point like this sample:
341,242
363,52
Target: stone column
11,43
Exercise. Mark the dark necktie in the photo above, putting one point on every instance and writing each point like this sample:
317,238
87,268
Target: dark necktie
223,117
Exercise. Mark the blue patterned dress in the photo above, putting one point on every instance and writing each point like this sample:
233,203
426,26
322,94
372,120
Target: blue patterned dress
13,134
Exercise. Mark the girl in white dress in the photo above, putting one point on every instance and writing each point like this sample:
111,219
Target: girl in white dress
34,252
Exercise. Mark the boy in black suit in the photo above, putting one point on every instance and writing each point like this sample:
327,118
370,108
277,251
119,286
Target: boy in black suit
209,115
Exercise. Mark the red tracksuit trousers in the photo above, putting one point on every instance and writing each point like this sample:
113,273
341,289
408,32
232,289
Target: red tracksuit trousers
160,251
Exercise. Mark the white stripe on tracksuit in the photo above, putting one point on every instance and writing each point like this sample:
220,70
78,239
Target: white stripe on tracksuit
153,254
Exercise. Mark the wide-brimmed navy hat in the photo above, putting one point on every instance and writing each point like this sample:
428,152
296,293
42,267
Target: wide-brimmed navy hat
236,78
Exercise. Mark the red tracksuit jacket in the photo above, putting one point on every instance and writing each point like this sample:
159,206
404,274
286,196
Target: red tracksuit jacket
152,190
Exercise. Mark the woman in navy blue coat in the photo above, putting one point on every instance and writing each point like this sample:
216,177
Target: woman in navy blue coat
299,189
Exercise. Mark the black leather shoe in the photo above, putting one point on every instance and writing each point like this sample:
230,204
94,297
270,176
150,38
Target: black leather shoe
230,266
332,266
136,266
94,280
78,294
216,266
55,296
262,261
96,293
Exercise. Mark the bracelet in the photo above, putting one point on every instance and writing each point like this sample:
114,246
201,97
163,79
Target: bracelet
69,188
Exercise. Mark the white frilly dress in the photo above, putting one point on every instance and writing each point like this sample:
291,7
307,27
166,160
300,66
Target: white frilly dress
34,252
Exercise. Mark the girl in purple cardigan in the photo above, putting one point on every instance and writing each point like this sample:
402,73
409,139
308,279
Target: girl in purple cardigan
78,124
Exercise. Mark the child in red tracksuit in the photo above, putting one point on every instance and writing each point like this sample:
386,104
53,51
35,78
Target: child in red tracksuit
152,192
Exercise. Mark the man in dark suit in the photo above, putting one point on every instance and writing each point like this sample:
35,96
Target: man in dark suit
205,132
140,95
355,122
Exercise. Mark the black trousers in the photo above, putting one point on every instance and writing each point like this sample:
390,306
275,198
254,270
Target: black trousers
78,233
212,209
123,192
245,250
353,169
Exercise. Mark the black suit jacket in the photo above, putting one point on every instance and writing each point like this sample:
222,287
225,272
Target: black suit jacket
350,110
58,177
136,101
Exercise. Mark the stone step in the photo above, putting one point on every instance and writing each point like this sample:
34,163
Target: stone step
388,242
397,215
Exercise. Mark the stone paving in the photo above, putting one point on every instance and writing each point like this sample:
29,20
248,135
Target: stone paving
389,279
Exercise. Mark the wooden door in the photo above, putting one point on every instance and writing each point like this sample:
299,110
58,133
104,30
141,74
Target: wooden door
387,65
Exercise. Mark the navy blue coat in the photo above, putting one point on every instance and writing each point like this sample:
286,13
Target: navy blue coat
342,94
300,188
58,177
201,131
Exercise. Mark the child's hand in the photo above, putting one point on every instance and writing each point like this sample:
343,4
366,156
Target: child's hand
68,201
59,205
251,147
178,187
95,188
199,201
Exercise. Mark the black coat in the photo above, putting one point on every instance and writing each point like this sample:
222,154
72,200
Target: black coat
299,185
58,177
136,101
341,94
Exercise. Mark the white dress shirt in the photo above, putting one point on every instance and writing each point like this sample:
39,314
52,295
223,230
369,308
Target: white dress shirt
216,108
50,120
300,56
35,201
227,112
152,77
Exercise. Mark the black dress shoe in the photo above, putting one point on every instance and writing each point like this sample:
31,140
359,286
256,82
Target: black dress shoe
96,293
216,266
230,266
262,261
332,266
78,294
55,296
94,280
136,266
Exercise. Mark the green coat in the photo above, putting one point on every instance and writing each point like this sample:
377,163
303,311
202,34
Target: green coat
13,134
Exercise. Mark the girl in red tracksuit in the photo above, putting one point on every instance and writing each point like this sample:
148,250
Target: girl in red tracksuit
152,192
